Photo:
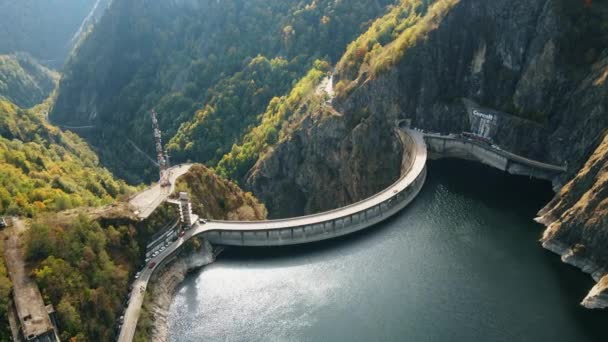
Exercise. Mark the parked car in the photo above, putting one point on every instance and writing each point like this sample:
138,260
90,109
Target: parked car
3,223
152,264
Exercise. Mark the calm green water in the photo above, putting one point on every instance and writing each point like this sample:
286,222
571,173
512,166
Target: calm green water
462,263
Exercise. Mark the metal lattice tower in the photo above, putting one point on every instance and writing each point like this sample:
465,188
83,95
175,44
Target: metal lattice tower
162,156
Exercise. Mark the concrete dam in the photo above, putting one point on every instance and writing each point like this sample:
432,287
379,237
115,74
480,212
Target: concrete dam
304,229
334,223
457,146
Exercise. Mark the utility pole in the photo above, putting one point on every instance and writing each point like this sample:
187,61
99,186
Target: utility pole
161,155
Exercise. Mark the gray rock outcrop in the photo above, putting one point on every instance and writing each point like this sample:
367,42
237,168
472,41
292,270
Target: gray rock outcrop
511,61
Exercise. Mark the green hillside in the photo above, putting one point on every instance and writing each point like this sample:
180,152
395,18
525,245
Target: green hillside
210,69
23,81
44,169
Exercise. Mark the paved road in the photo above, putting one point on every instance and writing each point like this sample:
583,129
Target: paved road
139,287
15,265
150,197
148,200
26,295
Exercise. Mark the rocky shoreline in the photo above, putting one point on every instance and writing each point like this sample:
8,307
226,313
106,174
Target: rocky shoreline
164,285
576,222
597,298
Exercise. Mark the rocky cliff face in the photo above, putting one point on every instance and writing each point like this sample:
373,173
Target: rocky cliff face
577,223
527,74
327,163
509,60
598,296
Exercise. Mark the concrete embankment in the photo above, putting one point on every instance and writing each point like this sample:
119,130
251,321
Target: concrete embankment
316,227
165,283
455,147
333,223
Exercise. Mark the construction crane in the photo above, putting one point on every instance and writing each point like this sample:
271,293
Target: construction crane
161,155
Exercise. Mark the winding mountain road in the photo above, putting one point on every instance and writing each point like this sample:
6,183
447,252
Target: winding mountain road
297,230
148,200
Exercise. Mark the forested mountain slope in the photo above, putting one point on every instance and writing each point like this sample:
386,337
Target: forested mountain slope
209,68
23,81
42,28
84,259
44,169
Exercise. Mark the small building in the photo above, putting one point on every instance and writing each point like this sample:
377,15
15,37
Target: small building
34,316
185,210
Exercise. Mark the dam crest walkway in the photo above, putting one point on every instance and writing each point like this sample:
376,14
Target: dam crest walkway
304,229
329,224
462,147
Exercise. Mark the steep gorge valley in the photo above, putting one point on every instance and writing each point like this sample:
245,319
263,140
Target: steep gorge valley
242,87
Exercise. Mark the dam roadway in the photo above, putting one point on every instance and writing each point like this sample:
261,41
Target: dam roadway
315,227
145,202
296,230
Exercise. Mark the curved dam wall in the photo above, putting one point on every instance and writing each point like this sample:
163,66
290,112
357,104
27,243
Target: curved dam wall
453,147
322,230
297,230
337,222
